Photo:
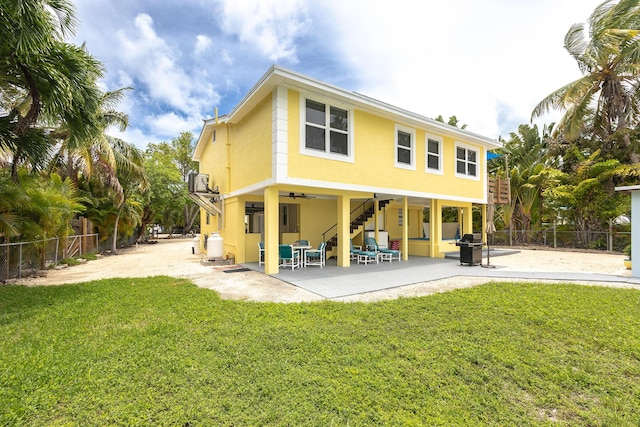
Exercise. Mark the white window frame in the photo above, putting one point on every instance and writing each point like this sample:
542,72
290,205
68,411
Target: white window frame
327,154
439,140
412,132
467,148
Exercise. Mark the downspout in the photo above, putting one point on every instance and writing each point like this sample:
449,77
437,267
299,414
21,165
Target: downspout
228,157
228,145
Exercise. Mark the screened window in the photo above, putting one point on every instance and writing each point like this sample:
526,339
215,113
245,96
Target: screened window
466,161
326,128
405,147
434,154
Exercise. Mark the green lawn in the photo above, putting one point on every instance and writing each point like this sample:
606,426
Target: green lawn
162,352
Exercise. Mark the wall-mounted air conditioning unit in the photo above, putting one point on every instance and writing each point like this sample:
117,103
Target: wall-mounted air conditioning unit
198,183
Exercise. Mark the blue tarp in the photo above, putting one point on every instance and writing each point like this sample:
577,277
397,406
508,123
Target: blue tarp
491,156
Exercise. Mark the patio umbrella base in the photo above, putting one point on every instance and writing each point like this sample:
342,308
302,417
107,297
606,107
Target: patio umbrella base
487,266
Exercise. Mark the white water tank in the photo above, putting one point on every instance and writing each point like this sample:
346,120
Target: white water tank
215,248
196,245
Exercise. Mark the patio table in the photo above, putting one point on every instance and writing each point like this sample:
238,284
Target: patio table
302,249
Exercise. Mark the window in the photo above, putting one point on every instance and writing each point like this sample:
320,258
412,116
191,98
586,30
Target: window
433,151
326,129
404,146
213,136
466,161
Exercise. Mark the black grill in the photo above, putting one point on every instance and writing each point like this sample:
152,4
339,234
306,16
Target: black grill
470,249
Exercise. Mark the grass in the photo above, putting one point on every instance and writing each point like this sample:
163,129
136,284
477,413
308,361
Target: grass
160,351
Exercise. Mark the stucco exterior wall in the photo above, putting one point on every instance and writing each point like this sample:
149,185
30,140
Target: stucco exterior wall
374,158
250,147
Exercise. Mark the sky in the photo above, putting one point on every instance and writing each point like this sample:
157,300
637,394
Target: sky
487,62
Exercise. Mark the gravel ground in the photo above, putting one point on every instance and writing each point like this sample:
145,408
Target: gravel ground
173,257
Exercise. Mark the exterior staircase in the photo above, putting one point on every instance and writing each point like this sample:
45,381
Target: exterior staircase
362,213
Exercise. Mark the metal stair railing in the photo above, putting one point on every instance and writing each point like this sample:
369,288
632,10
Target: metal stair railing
359,216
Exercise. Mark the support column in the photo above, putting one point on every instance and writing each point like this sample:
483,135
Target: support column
435,225
376,205
271,230
467,220
405,229
241,235
344,234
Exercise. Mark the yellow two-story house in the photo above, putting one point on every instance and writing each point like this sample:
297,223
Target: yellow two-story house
298,158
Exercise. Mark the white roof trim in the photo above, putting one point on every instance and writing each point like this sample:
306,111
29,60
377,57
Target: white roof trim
628,188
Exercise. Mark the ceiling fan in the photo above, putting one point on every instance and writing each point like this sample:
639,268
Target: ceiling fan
300,196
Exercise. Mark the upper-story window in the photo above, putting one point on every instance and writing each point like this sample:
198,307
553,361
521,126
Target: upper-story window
433,161
405,154
326,130
466,161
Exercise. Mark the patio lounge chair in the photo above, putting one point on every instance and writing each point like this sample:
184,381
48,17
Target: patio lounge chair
388,254
260,253
289,257
315,256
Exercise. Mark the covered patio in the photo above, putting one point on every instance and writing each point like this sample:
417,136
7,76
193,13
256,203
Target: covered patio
334,282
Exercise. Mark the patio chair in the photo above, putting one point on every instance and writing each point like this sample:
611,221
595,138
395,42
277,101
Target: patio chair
302,242
363,256
353,252
388,254
315,256
289,257
260,253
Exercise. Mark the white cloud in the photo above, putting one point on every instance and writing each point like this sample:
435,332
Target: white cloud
149,59
463,58
202,43
135,136
270,26
226,57
488,63
173,124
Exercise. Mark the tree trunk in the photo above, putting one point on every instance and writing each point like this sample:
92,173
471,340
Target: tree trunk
147,214
190,214
114,242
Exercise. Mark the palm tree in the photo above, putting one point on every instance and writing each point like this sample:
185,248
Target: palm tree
75,155
125,181
608,54
44,79
531,172
13,198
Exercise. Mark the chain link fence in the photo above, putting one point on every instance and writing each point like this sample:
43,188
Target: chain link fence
23,258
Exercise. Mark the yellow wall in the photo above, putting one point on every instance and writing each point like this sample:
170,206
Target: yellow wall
239,157
251,147
214,163
392,224
214,159
374,149
251,248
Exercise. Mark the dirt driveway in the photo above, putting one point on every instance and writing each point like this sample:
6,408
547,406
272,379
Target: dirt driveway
173,257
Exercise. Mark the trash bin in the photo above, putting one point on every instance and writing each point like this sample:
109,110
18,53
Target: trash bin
470,249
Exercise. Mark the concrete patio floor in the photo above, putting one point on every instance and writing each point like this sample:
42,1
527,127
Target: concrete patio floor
332,281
